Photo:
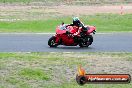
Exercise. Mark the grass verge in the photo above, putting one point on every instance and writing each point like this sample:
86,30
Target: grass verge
58,70
103,23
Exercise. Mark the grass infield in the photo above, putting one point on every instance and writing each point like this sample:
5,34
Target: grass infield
103,23
58,70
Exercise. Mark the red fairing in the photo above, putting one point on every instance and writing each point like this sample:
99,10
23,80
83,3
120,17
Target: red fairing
61,34
91,29
67,40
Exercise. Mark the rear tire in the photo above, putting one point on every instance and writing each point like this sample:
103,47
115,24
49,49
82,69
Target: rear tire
51,42
89,41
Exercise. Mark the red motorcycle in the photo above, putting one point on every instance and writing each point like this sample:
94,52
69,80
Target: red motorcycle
65,36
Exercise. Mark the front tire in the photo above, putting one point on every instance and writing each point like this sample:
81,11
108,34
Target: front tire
51,42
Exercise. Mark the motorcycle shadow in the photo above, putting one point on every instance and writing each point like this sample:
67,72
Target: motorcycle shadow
71,47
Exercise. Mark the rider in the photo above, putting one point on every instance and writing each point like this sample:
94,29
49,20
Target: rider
79,24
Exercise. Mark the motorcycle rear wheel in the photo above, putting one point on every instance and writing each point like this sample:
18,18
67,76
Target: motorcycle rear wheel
90,39
89,42
51,42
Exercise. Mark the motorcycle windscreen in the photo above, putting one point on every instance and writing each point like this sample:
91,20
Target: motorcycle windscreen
59,31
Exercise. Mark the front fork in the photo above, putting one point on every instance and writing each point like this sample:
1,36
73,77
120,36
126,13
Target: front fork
57,40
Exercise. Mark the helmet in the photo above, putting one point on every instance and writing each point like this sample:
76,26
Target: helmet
75,19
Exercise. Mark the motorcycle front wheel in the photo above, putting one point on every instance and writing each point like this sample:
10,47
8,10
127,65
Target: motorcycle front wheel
51,42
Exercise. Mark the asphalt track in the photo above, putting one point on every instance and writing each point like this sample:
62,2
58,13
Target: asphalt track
109,42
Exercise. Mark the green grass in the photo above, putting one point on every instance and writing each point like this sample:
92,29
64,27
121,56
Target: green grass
34,74
14,1
103,23
30,1
56,70
17,83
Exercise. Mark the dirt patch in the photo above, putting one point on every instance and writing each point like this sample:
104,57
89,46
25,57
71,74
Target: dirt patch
42,12
86,10
71,10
